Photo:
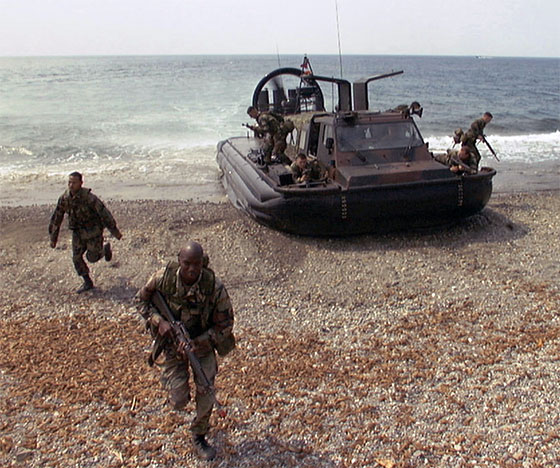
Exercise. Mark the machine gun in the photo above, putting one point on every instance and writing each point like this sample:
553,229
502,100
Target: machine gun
180,337
489,147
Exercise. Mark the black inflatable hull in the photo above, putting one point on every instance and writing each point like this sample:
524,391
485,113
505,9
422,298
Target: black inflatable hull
333,211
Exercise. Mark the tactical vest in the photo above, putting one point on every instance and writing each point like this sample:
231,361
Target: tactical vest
81,215
269,122
278,117
195,315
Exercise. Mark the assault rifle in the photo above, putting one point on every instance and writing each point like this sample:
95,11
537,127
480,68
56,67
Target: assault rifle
457,162
255,129
180,336
489,147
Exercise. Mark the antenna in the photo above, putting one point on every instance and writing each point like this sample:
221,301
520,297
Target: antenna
278,55
338,30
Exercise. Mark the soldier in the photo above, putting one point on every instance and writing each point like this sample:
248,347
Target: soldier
201,302
274,129
474,133
304,170
87,216
407,111
459,160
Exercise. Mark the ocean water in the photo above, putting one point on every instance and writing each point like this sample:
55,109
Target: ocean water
147,127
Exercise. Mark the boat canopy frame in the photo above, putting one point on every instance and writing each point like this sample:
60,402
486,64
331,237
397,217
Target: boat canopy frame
344,88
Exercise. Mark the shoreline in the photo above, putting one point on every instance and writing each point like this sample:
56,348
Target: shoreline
432,348
510,178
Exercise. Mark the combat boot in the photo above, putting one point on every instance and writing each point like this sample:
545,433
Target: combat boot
204,450
107,252
88,284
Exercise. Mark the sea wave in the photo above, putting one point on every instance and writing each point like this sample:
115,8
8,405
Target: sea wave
197,162
144,164
528,148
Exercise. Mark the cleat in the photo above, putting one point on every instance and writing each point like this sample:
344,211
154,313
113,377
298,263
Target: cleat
107,252
88,284
204,450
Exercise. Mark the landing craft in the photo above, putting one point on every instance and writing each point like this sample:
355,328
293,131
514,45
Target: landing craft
379,175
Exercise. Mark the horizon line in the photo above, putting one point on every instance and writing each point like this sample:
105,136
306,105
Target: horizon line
481,56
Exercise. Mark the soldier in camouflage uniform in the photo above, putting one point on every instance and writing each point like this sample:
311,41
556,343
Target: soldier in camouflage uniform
304,170
407,111
87,216
201,302
464,155
274,130
474,133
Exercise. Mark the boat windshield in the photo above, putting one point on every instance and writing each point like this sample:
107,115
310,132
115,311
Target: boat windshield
364,137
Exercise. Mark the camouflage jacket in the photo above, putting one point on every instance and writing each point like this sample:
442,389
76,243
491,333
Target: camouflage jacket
268,123
312,170
470,161
472,134
86,214
204,307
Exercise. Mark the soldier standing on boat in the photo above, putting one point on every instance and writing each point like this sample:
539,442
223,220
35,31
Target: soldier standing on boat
475,133
199,300
87,217
274,129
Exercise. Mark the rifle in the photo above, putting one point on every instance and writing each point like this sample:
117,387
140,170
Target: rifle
489,147
180,335
457,162
255,129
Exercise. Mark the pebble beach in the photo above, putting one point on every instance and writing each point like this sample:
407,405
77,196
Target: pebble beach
414,349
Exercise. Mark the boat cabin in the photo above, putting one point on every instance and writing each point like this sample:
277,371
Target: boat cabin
353,147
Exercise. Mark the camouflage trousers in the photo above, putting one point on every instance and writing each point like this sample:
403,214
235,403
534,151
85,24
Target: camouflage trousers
274,145
175,379
268,145
92,247
279,144
471,145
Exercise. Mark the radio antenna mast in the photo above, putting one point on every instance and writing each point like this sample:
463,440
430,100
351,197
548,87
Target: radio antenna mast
278,55
338,30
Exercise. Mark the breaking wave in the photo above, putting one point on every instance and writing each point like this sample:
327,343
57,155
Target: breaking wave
530,148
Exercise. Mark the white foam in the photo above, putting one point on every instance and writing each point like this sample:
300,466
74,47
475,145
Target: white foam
137,165
530,148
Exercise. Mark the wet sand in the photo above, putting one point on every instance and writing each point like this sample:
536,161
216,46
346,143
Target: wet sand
511,177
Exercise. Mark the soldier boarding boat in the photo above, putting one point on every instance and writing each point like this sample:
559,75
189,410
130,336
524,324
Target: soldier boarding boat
378,174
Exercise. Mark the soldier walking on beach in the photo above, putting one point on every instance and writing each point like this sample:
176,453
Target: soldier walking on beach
87,216
274,130
474,133
199,300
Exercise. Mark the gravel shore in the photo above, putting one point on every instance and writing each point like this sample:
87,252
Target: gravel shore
417,349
